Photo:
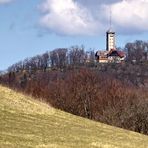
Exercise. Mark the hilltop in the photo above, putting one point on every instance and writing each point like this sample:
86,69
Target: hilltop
26,122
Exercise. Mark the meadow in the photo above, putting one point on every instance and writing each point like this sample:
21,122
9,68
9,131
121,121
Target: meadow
29,123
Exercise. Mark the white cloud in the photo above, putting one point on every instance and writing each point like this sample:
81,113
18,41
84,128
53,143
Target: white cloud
5,1
131,15
81,17
68,17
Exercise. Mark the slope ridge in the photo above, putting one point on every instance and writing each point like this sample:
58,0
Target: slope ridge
26,123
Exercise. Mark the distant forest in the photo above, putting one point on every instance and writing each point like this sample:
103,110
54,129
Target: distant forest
73,81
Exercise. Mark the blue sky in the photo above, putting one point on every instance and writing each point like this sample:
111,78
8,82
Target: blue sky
28,28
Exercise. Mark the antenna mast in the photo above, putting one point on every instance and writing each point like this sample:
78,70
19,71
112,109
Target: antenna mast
110,20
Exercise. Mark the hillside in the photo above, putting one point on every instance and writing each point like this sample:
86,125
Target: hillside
25,122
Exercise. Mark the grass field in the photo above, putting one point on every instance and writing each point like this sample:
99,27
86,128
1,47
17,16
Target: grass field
27,123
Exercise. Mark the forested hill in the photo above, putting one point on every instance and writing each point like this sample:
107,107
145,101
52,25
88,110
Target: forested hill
28,123
62,58
71,80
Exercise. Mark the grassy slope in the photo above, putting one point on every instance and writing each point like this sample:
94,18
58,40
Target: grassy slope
28,123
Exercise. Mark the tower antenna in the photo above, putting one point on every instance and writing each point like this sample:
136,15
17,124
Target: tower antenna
110,19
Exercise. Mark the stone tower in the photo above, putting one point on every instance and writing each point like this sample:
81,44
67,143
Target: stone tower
110,40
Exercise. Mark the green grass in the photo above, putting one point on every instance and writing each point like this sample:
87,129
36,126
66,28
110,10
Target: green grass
27,123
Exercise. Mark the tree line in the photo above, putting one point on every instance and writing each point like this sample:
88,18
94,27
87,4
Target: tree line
60,58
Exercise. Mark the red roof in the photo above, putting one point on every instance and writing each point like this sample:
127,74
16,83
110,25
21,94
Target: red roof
114,52
121,53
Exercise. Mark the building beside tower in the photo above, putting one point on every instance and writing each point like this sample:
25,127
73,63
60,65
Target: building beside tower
111,54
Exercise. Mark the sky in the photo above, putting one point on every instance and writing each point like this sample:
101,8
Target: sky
32,27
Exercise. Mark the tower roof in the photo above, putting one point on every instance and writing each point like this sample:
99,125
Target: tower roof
110,30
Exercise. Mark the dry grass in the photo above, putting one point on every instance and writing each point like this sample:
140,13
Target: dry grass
28,123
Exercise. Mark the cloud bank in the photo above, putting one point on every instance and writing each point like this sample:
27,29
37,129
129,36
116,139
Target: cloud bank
68,17
91,17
